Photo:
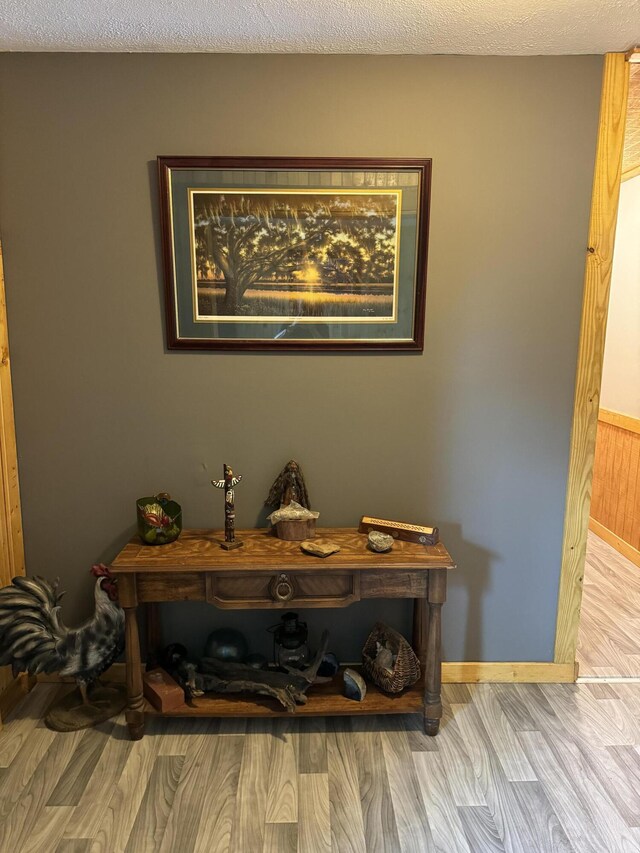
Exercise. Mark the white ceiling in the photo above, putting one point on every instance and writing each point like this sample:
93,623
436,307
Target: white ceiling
322,26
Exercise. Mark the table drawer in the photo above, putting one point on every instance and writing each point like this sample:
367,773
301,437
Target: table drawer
277,590
183,586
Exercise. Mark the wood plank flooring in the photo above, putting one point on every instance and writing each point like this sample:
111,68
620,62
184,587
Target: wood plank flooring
609,636
520,768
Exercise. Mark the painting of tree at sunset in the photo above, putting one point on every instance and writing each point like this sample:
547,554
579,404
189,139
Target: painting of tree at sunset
306,254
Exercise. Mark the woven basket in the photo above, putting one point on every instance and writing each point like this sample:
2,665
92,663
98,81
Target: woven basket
406,670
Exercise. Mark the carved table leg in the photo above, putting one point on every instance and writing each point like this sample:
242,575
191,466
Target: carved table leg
154,634
420,630
432,700
134,713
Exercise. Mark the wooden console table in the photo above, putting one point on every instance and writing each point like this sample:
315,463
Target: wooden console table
268,573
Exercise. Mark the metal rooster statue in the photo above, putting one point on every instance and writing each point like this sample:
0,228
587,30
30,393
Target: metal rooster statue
228,484
34,639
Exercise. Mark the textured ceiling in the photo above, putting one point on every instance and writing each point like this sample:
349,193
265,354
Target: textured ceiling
322,26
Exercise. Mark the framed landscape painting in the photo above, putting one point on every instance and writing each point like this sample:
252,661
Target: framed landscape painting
297,254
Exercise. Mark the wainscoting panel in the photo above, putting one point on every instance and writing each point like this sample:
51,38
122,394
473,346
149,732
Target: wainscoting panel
615,503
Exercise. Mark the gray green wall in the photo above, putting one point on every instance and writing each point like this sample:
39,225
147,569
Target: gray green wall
473,435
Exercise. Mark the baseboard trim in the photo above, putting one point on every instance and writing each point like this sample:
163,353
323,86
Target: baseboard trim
532,672
466,672
609,679
615,541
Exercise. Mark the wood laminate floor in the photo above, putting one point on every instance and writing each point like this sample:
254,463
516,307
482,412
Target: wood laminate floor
516,767
609,637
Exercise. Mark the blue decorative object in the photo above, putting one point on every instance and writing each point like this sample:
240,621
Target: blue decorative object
354,685
329,666
226,644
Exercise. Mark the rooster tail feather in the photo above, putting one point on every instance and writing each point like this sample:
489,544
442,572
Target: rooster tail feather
14,599
30,630
50,587
57,623
43,661
15,630
33,637
44,593
30,643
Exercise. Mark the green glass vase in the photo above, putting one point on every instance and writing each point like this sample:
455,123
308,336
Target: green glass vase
159,519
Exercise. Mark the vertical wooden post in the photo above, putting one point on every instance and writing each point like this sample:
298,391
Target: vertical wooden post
134,714
599,259
154,631
420,630
11,544
433,675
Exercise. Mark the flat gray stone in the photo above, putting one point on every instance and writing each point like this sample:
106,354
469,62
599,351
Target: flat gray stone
379,541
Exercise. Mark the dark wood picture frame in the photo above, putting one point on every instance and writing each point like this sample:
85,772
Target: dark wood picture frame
413,341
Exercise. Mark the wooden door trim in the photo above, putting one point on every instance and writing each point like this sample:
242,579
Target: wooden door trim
10,511
597,279
11,541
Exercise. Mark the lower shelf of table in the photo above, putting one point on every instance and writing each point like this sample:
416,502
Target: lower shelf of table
323,700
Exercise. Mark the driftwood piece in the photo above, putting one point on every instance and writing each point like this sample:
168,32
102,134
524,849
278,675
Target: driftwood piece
289,486
289,688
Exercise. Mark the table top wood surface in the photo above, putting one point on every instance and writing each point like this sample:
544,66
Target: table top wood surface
199,550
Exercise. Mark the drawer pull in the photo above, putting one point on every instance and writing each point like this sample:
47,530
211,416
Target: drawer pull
281,588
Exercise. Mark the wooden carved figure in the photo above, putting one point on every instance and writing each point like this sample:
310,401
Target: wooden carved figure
289,486
228,484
